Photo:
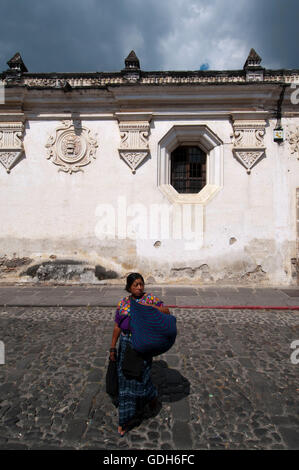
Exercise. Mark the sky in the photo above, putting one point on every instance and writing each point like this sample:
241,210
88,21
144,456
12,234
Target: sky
97,35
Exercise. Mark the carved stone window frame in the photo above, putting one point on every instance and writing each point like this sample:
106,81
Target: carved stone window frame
210,143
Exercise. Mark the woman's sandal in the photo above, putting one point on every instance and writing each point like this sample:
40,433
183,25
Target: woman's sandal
121,431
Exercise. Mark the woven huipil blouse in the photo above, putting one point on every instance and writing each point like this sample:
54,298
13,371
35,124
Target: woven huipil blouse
123,309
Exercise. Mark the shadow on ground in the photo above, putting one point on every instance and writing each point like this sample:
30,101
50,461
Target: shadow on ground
170,383
171,386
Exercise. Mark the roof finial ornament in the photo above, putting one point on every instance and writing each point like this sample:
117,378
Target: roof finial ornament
132,61
252,67
253,59
131,72
16,64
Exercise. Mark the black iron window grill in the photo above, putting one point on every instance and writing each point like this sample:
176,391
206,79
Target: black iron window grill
188,169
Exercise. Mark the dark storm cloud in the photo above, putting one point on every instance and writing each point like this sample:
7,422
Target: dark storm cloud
274,28
90,35
73,35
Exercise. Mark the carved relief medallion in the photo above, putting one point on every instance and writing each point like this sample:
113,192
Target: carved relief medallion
248,142
71,147
11,145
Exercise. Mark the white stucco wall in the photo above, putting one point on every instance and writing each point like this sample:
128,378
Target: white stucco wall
248,228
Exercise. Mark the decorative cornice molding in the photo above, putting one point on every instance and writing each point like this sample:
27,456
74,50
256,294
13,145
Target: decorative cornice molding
143,78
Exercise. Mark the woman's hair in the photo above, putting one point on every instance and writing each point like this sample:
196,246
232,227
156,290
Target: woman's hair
131,278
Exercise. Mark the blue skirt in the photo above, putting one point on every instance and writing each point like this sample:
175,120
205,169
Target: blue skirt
132,393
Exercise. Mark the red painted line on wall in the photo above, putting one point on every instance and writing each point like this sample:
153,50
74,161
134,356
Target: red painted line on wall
236,307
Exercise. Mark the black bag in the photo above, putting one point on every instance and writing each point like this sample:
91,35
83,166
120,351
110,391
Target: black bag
133,364
112,379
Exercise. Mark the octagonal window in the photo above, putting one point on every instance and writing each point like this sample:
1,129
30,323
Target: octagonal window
190,164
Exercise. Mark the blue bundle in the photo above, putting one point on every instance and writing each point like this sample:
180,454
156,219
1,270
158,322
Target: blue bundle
153,332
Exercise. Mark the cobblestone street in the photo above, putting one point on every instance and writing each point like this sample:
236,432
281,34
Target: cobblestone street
228,382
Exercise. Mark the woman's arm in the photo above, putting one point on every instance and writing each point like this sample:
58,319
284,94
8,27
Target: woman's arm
161,308
115,336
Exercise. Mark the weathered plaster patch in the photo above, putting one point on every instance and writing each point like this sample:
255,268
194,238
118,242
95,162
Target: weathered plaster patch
258,274
59,270
68,270
101,273
202,273
295,269
12,265
87,261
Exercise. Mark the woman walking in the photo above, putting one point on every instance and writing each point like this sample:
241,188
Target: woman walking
132,391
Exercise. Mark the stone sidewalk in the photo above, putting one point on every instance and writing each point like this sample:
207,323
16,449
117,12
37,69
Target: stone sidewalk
227,383
180,296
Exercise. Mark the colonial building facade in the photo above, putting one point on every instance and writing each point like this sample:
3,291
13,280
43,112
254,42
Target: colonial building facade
186,177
